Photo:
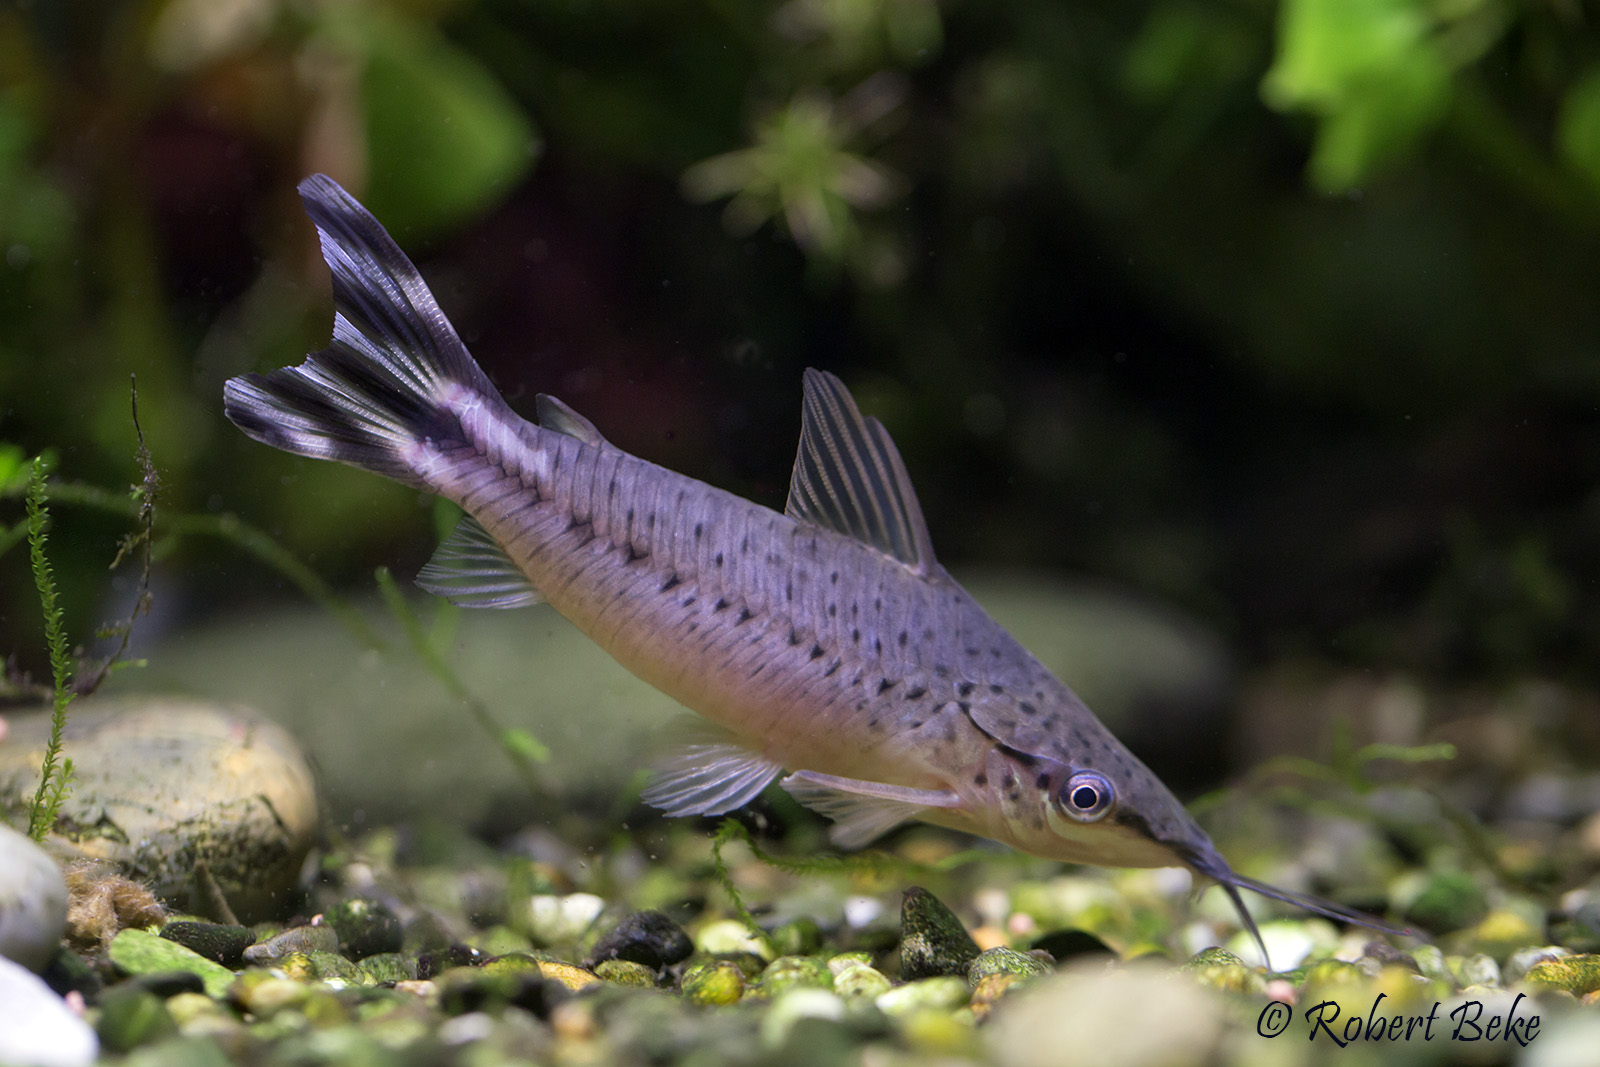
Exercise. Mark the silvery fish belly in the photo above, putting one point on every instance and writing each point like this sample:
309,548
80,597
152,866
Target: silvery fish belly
823,646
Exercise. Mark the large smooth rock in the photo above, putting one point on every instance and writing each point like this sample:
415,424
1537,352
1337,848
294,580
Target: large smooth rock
33,901
173,791
392,743
37,1029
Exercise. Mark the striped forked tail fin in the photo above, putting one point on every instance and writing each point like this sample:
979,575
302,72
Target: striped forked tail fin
395,367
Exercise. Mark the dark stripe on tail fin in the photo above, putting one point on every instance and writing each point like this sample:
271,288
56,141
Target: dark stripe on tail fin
380,386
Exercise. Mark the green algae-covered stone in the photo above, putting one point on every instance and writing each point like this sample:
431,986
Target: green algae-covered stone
859,981
141,952
365,928
1578,975
716,983
264,994
1449,901
1220,969
216,942
794,972
130,1017
1003,960
626,973
933,943
388,967
317,966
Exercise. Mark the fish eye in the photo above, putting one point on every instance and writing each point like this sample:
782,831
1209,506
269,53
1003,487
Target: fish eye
1087,796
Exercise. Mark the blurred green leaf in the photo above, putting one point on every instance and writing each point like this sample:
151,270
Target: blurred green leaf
13,470
1578,128
1370,70
444,138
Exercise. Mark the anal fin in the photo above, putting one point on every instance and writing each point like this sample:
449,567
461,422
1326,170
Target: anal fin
861,810
709,773
471,570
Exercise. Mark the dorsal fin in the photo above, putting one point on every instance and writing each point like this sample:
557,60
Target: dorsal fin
555,415
848,477
471,570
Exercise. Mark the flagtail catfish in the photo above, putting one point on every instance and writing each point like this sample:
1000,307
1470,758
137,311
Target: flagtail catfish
825,641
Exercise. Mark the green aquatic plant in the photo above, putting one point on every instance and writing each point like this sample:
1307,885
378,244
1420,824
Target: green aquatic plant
55,775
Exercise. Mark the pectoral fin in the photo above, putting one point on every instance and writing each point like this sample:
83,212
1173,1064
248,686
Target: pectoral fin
709,773
862,810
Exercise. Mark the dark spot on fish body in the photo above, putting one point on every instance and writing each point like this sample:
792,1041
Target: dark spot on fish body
877,646
718,560
877,604
833,579
720,605
833,611
904,639
743,617
970,651
915,694
832,669
689,601
1042,782
816,652
980,779
964,689
672,582
855,637
996,687
1027,709
884,686
699,530
794,637
744,545
788,591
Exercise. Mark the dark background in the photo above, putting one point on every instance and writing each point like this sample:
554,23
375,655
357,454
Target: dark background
1287,313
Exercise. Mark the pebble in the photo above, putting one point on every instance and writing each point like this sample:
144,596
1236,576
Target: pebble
37,1029
1523,960
164,787
366,927
316,937
646,937
716,983
1578,975
130,1017
792,1006
1089,1016
932,940
943,993
218,943
728,937
860,981
1005,961
141,952
33,901
795,972
557,920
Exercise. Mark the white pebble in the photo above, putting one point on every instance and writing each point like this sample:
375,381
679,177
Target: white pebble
37,1029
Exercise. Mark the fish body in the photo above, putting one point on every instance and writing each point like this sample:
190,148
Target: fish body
823,645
